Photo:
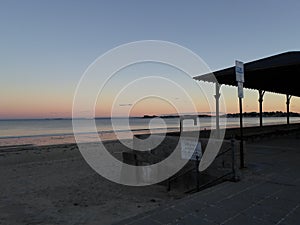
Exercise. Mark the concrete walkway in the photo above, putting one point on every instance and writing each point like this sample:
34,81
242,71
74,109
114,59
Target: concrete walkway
269,192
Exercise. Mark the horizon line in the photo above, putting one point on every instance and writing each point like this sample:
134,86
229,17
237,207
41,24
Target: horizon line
211,114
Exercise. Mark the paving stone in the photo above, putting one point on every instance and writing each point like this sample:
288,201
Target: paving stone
224,193
239,202
145,221
246,220
266,213
216,214
191,206
167,216
277,202
290,194
284,180
193,220
292,218
266,189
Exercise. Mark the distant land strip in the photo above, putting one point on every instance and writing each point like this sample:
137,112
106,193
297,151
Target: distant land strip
232,115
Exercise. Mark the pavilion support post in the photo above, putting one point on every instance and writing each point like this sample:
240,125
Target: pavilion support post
260,100
242,155
288,101
217,96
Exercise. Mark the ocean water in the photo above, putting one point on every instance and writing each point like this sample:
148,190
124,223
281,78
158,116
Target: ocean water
59,131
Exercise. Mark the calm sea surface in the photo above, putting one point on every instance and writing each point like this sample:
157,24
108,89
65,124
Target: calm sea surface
44,132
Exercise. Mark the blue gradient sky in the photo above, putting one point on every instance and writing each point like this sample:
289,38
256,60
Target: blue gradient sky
47,45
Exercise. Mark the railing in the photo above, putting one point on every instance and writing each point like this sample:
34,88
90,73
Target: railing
223,166
232,174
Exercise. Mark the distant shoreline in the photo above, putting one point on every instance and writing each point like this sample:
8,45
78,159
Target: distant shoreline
228,115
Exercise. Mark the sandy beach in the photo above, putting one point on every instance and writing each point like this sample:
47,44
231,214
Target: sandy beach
54,185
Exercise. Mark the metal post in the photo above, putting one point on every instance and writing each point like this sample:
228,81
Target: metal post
288,101
197,174
242,160
217,96
233,160
180,125
261,99
239,71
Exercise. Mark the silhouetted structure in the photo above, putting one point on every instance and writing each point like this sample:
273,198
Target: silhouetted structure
277,73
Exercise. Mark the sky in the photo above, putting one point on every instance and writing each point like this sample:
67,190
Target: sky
46,46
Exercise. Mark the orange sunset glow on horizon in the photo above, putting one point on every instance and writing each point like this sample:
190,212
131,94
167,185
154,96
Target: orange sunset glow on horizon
59,105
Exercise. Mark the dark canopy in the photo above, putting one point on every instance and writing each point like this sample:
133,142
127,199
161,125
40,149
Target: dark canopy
276,73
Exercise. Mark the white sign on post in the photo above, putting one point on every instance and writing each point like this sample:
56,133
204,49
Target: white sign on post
189,151
239,71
